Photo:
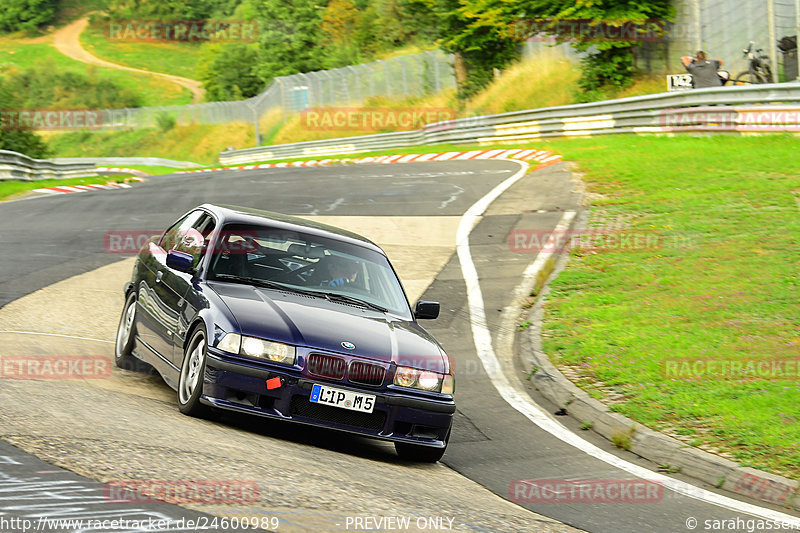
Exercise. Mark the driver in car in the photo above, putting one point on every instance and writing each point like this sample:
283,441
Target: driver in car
342,272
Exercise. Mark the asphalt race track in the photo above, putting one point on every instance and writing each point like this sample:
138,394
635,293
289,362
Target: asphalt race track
314,480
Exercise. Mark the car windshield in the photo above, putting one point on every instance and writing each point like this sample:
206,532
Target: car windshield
333,269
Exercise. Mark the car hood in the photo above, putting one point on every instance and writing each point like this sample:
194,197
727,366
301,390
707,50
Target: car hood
317,323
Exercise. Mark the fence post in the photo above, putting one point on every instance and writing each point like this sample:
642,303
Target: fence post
405,76
773,54
255,123
421,78
282,99
329,84
315,94
436,73
343,76
386,72
797,35
371,74
358,82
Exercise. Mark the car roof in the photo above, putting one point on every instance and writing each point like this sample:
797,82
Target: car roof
231,214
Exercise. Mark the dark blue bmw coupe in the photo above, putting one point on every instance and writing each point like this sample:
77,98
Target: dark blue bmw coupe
250,311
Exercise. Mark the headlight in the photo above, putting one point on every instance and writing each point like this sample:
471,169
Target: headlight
405,377
424,380
430,381
258,348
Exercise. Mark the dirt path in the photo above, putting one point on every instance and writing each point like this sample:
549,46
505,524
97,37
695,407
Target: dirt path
66,41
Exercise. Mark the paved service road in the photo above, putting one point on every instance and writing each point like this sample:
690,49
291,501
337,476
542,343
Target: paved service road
138,433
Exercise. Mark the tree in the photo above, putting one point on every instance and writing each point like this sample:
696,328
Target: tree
339,24
289,37
480,44
171,9
27,15
606,62
231,74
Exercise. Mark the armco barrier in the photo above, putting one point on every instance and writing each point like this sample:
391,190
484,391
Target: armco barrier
18,166
127,161
739,109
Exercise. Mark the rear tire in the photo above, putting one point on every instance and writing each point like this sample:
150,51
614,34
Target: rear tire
126,335
421,454
190,383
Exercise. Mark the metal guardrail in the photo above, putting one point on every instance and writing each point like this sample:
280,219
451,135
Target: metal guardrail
18,166
127,161
766,108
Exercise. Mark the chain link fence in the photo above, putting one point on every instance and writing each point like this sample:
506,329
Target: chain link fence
399,77
723,29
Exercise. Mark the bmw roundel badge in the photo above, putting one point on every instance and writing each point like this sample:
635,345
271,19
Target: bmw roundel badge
348,345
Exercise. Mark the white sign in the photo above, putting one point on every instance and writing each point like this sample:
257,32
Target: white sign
679,82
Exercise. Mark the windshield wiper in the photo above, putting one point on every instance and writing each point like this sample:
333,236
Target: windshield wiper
268,284
336,296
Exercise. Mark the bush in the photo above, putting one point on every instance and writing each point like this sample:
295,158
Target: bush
165,121
26,15
43,86
24,142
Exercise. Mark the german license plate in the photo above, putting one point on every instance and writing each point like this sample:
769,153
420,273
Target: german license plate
355,401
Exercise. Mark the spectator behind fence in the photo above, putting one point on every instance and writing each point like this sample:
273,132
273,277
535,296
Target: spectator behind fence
703,70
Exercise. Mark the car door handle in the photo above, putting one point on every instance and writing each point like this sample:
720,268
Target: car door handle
159,275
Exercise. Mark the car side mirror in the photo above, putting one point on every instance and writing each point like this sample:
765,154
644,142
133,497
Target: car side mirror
180,261
426,310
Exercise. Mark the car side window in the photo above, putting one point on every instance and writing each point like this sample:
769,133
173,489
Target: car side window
175,232
193,240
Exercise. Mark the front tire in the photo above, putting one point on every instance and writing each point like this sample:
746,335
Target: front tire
126,335
747,78
190,383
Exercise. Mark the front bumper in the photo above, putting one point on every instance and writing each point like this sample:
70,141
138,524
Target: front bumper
399,417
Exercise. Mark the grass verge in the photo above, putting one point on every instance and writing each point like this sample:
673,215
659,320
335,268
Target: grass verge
152,170
153,91
11,189
722,284
200,144
180,59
